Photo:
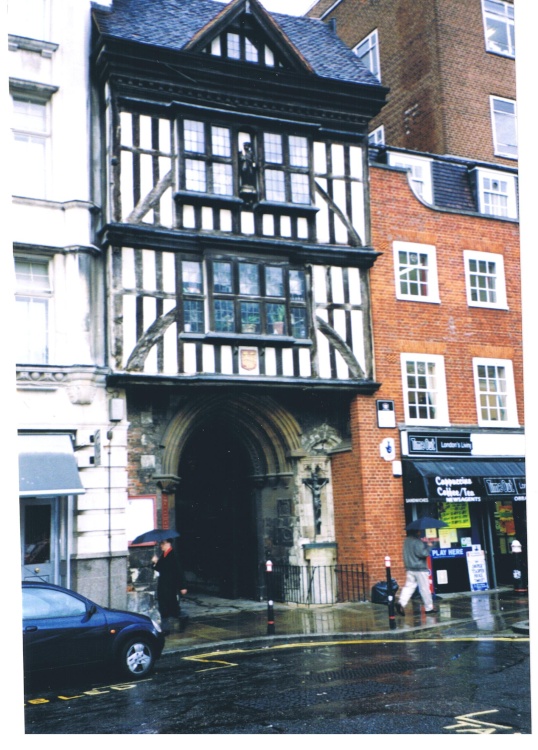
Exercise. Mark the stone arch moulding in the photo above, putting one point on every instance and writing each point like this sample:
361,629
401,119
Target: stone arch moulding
269,432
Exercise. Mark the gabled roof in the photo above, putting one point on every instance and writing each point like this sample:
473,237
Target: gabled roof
180,24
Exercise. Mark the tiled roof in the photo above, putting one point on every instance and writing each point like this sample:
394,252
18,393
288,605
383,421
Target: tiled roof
173,23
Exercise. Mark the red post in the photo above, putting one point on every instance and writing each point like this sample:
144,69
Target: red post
390,595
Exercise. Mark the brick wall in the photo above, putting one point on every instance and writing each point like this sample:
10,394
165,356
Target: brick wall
440,76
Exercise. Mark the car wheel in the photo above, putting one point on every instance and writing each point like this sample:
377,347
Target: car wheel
137,658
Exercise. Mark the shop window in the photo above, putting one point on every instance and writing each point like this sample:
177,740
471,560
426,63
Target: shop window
424,389
484,275
495,392
415,268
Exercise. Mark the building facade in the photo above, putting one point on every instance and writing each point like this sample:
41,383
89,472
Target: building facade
239,319
450,68
446,320
73,478
236,234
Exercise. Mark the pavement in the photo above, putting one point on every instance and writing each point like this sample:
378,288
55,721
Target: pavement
215,624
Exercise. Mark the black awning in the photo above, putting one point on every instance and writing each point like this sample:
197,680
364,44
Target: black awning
47,466
463,480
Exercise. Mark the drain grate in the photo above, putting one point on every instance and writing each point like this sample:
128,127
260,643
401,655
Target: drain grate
356,674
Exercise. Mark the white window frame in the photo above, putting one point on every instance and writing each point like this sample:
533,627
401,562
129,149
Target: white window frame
370,56
497,11
500,284
432,281
377,136
503,185
507,150
420,173
42,297
34,182
440,391
510,404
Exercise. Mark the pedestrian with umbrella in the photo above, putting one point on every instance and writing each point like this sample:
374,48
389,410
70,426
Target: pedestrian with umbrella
171,578
415,555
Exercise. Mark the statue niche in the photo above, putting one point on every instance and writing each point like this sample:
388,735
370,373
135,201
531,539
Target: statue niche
248,173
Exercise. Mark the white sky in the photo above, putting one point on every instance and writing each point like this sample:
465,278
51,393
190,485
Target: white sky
290,7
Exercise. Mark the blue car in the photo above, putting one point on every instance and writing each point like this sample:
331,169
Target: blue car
64,629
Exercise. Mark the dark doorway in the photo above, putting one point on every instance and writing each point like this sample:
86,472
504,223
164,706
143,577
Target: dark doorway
215,514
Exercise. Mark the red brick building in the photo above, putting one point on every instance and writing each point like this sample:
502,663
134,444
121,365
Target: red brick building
471,340
450,68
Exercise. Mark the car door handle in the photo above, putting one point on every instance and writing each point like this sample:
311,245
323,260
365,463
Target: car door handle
30,628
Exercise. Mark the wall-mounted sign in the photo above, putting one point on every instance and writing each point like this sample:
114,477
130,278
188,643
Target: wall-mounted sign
386,415
387,449
455,444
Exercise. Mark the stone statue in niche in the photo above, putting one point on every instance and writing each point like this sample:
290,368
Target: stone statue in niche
247,173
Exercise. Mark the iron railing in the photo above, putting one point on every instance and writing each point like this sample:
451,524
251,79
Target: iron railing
317,584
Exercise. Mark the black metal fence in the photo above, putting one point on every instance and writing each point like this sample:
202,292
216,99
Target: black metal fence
317,584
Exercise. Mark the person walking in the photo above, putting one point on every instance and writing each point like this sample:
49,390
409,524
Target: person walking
415,555
171,580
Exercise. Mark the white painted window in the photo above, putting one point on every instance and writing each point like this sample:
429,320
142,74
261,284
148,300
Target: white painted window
424,389
420,173
377,136
33,299
495,392
504,126
484,277
287,179
415,270
499,27
368,51
31,147
496,193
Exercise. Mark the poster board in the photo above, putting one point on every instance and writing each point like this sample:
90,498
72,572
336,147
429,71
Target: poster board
141,516
478,572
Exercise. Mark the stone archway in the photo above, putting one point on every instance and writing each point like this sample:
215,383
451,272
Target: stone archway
235,455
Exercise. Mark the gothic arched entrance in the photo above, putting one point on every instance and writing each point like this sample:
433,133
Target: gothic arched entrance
215,513
231,454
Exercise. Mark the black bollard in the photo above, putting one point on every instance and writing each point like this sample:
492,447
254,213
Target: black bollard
390,595
518,575
270,603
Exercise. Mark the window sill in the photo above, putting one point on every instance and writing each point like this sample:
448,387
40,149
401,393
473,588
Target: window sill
187,196
297,208
243,338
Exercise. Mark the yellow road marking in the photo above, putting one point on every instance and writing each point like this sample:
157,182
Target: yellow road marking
316,644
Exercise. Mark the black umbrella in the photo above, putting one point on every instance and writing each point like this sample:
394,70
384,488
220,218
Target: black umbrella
157,535
427,522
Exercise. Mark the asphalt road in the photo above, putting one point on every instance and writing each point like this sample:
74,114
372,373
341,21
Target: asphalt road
414,686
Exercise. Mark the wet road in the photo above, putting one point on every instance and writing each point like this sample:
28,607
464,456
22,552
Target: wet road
414,686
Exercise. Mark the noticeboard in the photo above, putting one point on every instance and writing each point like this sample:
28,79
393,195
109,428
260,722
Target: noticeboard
478,573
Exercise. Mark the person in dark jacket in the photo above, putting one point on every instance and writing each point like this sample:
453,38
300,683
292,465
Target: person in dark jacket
415,555
170,582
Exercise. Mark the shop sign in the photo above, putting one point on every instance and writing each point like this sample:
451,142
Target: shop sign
450,444
452,552
476,565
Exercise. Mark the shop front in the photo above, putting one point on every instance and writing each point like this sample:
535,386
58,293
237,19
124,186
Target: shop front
48,482
482,501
